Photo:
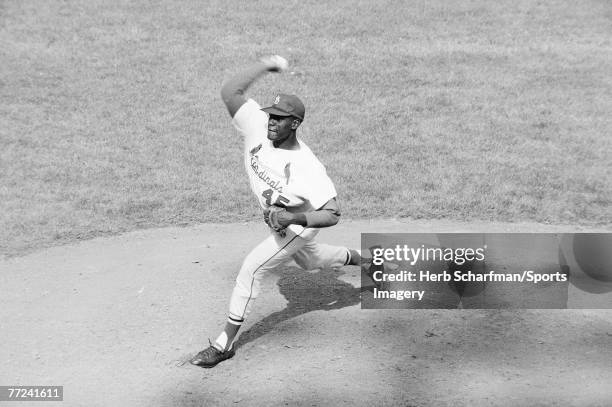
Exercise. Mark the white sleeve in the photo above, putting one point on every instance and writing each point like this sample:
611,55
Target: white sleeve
251,121
320,189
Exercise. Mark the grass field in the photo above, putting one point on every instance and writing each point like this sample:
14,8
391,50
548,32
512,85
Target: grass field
111,118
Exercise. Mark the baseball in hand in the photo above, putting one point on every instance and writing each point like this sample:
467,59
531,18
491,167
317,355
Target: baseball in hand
281,62
276,63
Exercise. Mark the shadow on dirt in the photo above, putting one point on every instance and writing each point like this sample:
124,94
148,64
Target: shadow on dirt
305,292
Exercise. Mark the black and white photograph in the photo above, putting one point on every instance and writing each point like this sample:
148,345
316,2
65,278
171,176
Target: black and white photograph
302,203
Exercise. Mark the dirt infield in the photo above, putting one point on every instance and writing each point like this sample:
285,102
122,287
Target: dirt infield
114,321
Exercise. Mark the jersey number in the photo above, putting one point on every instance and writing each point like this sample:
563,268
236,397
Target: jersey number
280,201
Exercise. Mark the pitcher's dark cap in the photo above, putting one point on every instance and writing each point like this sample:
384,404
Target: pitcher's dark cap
287,105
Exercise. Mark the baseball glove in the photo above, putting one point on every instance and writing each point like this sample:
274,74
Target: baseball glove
271,219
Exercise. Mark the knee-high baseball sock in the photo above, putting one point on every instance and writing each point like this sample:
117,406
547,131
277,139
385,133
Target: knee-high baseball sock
226,338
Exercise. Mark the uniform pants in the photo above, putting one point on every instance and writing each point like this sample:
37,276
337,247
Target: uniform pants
276,251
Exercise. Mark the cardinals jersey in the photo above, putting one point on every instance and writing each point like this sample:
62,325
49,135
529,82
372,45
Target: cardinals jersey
294,179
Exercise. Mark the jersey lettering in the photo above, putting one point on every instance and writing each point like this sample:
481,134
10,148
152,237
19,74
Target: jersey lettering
280,200
268,195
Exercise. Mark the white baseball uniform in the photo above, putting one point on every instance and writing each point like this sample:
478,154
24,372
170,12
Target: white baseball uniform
295,179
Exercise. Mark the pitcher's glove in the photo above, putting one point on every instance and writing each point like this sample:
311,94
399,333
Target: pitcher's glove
271,215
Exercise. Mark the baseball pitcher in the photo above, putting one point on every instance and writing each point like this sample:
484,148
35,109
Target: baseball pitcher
296,196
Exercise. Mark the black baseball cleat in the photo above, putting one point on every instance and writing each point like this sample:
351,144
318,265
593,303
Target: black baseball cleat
211,357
